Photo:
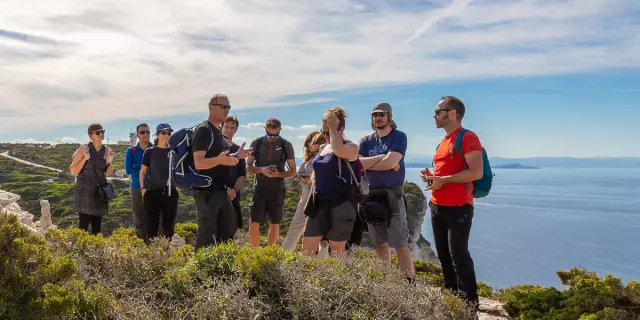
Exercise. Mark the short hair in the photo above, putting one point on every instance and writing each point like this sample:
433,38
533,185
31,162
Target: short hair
233,119
273,123
455,104
93,128
141,125
340,113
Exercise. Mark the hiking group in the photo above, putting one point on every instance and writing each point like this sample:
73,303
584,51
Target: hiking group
348,188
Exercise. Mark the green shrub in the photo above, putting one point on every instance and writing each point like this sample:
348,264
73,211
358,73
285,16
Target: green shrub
36,280
588,296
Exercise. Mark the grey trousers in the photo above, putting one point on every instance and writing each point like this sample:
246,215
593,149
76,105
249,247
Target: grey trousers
138,212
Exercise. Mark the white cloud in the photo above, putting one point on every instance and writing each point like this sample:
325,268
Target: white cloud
95,61
52,141
310,127
253,125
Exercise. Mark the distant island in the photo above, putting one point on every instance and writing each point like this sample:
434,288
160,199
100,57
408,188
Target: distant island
514,166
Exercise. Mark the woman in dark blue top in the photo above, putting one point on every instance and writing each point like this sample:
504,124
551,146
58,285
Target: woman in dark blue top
331,208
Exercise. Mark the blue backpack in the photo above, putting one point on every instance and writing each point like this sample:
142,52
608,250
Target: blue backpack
481,187
183,170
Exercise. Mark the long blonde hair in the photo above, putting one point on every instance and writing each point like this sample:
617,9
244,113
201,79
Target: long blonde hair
308,141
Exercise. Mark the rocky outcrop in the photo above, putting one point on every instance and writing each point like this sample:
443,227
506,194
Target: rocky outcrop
416,212
9,204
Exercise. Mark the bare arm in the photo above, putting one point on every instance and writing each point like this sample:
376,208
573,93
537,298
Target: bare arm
77,163
109,170
473,173
347,151
368,162
239,182
143,174
250,167
291,172
388,162
203,163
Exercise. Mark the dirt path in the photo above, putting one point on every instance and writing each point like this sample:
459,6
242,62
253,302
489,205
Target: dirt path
6,155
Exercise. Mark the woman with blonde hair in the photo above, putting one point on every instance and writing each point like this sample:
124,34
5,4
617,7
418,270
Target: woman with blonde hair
331,208
312,144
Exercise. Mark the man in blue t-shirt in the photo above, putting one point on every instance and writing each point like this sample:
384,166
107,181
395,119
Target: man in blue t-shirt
132,165
382,155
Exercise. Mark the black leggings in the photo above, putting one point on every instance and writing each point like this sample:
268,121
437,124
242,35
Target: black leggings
158,203
95,222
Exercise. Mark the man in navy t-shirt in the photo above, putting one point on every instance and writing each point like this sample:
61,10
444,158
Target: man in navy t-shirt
382,155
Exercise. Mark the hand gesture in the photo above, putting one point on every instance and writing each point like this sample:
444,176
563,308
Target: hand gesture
225,160
109,156
332,121
231,192
267,172
424,174
244,153
435,183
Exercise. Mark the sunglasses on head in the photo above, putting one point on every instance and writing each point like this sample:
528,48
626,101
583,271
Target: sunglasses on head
437,111
144,132
101,131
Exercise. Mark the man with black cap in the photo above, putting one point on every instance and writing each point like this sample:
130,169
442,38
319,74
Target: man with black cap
382,154
216,218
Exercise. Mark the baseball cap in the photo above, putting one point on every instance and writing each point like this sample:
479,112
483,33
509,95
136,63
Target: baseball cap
219,99
163,127
382,107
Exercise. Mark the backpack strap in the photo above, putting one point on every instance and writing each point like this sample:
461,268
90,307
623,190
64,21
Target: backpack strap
458,146
256,151
133,150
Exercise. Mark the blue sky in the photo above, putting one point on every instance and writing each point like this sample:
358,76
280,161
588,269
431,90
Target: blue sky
540,78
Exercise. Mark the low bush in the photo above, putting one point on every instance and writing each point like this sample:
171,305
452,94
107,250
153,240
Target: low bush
587,296
71,274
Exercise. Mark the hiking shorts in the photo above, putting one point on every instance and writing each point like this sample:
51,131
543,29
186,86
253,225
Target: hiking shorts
267,205
396,234
343,216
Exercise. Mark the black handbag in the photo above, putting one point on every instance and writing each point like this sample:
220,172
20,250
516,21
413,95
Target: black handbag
104,192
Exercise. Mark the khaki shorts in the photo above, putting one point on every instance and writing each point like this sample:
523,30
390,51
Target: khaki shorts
343,217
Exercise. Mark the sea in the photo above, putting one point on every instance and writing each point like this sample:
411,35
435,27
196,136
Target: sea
538,221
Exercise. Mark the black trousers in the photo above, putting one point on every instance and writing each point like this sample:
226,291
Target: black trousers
216,217
159,205
451,229
95,222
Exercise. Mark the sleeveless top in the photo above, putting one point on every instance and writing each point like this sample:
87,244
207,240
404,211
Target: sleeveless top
84,199
328,178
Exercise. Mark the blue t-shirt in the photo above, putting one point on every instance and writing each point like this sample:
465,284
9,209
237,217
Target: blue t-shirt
373,145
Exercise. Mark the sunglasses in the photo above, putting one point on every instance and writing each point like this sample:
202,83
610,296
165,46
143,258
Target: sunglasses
269,134
437,111
223,106
97,132
378,114
165,133
144,132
